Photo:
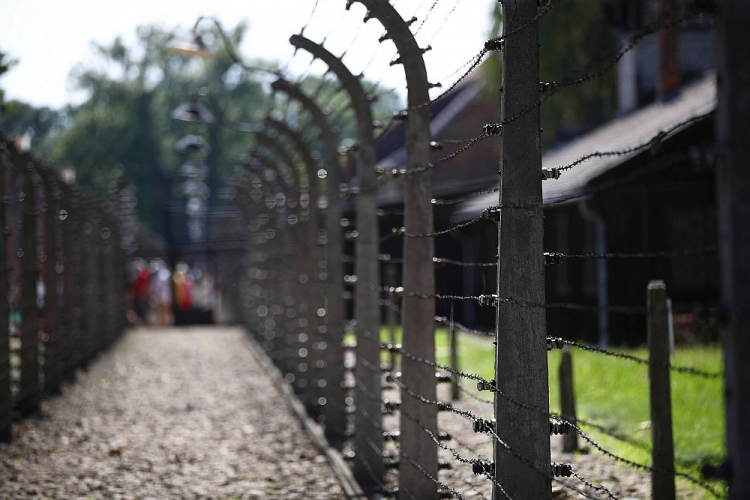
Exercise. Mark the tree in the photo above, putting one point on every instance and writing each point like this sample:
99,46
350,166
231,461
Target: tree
5,64
125,129
574,38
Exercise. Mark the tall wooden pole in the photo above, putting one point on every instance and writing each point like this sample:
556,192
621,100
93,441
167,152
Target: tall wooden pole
521,361
660,394
567,399
733,187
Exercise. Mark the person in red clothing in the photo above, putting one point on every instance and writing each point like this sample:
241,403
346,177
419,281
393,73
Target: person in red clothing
141,291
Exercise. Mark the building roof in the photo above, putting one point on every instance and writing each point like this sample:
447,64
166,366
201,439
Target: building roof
461,114
621,133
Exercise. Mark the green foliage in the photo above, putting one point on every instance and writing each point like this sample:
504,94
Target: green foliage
5,64
124,128
574,38
18,118
614,393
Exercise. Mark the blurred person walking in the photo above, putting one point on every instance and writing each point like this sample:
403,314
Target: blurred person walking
161,295
141,291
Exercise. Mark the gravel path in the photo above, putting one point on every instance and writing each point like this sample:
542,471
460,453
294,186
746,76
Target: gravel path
167,414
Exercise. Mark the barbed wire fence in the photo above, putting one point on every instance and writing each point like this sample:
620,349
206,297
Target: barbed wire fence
382,400
316,253
64,275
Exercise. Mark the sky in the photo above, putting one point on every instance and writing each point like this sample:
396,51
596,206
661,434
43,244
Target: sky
49,37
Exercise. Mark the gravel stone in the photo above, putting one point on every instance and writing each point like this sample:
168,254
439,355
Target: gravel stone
167,413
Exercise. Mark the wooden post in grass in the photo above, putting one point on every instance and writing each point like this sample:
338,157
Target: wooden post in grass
391,311
662,477
567,399
455,394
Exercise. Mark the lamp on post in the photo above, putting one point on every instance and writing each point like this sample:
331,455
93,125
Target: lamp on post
195,169
193,112
193,45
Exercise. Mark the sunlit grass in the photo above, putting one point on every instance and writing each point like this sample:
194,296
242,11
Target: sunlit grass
614,393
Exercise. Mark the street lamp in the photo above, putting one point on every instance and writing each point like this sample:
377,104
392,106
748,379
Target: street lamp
192,143
192,112
190,45
193,45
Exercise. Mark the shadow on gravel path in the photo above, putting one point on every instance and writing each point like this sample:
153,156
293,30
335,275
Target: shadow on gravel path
167,413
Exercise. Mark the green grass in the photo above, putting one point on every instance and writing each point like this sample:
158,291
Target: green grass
614,393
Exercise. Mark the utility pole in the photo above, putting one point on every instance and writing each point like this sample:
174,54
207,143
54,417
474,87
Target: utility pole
521,360
733,195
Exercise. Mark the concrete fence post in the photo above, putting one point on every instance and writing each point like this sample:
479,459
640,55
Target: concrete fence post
368,431
311,289
331,368
29,395
391,310
6,404
276,330
521,352
296,342
419,271
53,345
733,186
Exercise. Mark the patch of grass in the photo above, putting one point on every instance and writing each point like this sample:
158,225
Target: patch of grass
614,393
